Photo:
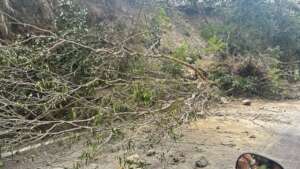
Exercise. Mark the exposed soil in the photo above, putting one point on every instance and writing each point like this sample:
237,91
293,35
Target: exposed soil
267,128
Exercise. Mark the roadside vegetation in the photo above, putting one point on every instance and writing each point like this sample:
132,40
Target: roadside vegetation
257,42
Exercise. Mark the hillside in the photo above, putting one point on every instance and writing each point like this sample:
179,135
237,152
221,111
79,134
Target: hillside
117,72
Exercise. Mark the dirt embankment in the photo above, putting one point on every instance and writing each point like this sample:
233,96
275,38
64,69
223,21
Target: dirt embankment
42,13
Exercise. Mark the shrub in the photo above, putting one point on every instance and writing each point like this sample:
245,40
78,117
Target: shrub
245,78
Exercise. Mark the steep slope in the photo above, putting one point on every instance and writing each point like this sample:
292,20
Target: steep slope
110,12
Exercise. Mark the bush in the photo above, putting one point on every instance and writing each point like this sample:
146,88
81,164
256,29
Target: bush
245,78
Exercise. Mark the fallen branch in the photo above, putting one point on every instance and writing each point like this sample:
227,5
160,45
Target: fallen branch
200,72
36,146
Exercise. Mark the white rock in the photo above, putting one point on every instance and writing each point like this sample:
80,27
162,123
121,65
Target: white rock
247,102
135,158
224,100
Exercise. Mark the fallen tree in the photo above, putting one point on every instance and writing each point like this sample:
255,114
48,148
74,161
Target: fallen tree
74,79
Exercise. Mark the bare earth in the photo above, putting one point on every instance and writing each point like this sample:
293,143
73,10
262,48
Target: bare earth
268,128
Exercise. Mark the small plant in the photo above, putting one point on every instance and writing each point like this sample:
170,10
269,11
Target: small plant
215,45
275,74
119,106
142,94
128,163
76,165
181,52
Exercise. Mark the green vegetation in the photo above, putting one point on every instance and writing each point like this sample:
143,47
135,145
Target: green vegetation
142,94
112,74
78,77
182,51
267,31
253,27
247,78
215,45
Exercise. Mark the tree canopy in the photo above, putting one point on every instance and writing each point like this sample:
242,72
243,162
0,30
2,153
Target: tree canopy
254,26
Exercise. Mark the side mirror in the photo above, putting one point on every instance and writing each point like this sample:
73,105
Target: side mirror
254,161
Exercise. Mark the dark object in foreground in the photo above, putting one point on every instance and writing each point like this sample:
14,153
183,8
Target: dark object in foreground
255,161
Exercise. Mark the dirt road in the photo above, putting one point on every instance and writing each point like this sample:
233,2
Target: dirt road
280,120
267,128
285,145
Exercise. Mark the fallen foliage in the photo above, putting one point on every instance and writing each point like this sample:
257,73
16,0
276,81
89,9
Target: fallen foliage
79,79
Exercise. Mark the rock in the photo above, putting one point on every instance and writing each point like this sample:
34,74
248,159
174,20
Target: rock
228,144
176,158
224,100
201,163
136,161
247,102
133,159
218,127
189,59
151,153
253,136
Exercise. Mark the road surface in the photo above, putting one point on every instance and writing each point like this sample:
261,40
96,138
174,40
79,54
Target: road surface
280,119
285,146
268,128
